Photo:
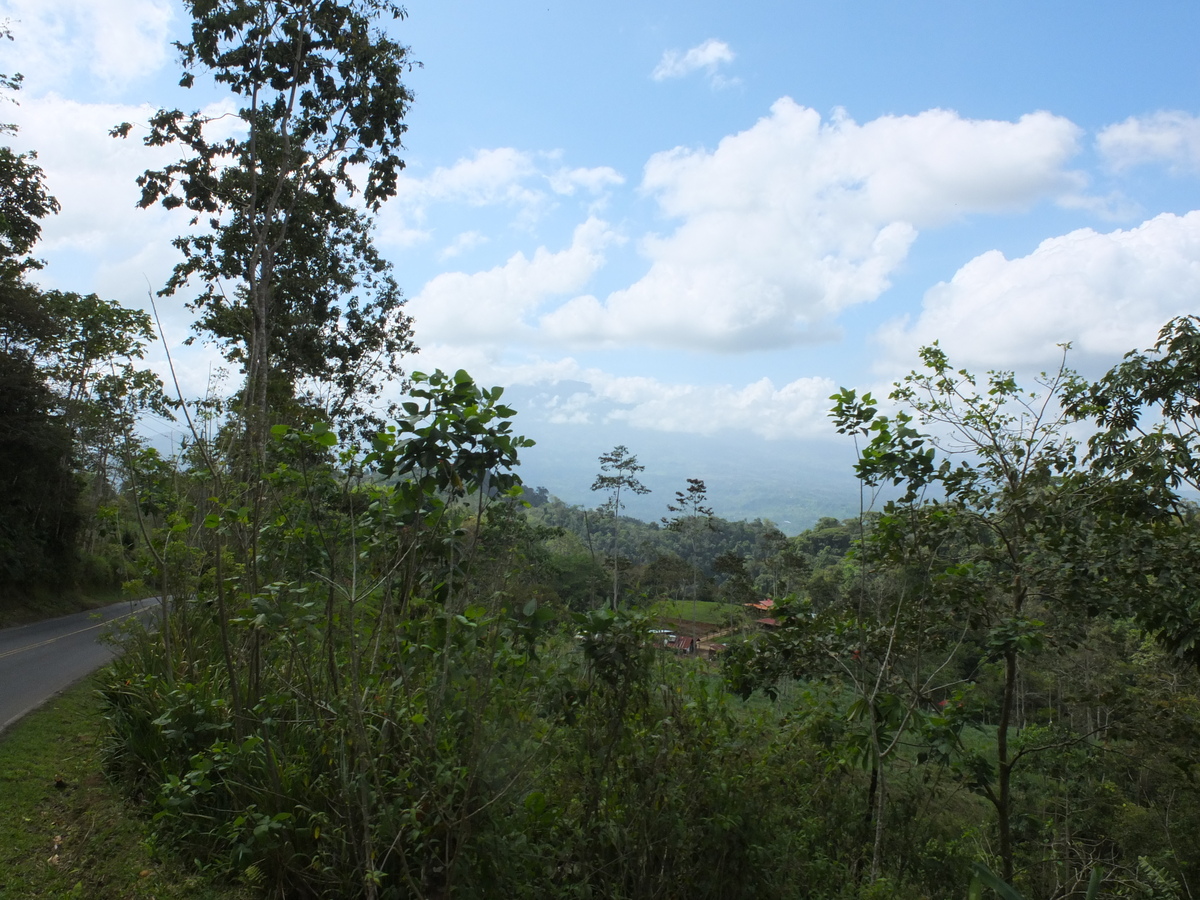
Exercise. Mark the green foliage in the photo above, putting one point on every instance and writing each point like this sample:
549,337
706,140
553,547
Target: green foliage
704,611
291,285
1157,884
385,699
984,877
24,202
66,831
375,673
382,722
69,390
736,560
69,387
618,472
999,575
1145,409
39,520
457,441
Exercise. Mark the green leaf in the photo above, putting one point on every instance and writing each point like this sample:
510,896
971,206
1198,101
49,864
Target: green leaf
987,877
535,803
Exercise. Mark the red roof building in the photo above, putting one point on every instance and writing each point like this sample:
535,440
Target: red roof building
682,645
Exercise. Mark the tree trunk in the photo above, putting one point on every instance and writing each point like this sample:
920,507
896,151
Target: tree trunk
1003,800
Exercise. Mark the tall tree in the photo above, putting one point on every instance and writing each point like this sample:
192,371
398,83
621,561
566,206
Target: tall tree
618,473
39,520
691,516
24,199
291,286
1005,542
1148,412
38,490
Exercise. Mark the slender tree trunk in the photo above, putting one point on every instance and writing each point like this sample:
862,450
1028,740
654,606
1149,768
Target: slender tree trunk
877,800
164,608
616,544
258,372
1005,765
226,650
587,527
880,806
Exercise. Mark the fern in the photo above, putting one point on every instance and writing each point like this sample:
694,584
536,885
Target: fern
1157,885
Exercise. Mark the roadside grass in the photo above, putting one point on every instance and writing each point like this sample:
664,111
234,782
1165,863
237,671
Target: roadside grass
65,831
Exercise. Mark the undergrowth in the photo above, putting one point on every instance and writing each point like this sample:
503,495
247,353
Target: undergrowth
65,831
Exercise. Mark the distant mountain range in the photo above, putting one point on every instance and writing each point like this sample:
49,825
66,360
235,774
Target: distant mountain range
789,482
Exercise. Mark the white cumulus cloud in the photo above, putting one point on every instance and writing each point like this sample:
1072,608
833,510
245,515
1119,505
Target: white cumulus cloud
795,219
1104,293
709,57
101,241
594,180
528,183
463,243
93,176
488,177
1170,137
113,42
493,306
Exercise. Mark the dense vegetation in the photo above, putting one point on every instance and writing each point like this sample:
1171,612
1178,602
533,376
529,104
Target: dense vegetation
70,391
67,831
382,669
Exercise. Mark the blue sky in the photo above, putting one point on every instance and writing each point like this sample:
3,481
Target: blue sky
681,226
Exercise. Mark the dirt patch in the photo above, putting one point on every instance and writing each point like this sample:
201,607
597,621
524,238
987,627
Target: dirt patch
691,629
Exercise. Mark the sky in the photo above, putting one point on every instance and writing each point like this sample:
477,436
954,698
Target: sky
682,226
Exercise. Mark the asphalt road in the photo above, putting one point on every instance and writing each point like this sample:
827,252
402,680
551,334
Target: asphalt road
39,660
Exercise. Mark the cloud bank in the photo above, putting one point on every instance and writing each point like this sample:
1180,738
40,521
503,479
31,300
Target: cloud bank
795,220
567,393
1105,293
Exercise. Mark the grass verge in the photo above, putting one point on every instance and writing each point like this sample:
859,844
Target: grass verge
64,830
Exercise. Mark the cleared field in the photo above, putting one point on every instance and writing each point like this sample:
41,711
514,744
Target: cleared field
701,611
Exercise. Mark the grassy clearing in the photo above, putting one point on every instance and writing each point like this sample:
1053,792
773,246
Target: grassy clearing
700,611
64,830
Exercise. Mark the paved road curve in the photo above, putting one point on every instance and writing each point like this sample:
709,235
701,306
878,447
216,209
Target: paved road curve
39,660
